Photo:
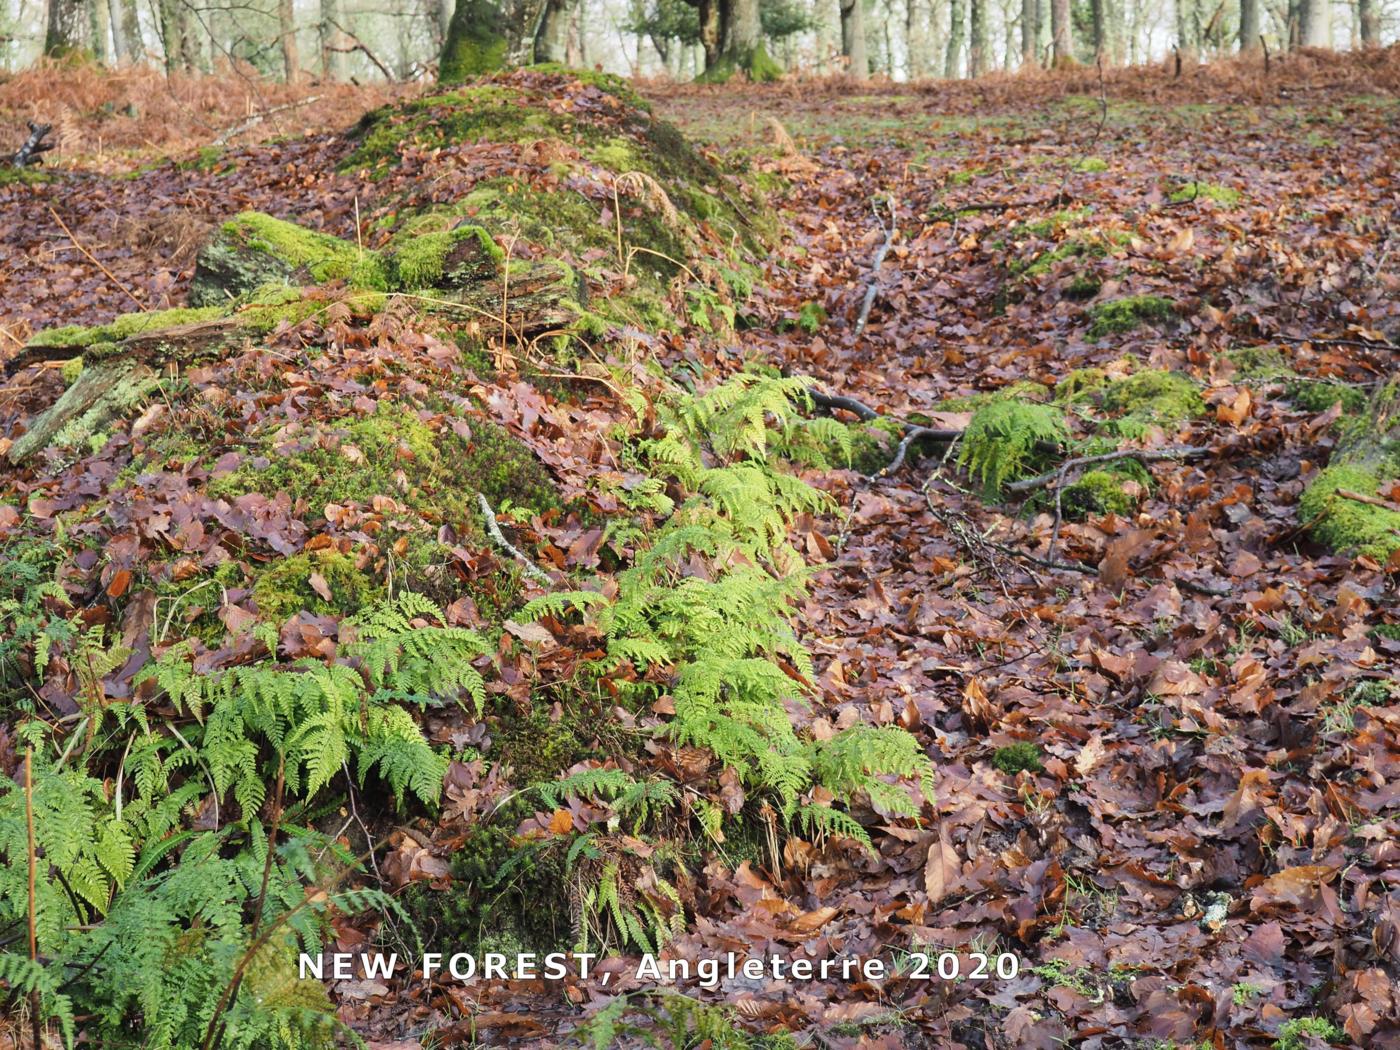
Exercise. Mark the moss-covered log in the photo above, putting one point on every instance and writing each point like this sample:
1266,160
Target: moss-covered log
1365,464
100,394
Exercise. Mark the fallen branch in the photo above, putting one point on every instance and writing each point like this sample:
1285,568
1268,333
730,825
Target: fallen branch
849,404
494,528
912,435
33,146
875,265
1140,454
257,118
1318,340
1374,501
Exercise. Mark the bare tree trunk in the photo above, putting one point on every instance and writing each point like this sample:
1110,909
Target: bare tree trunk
552,42
333,40
121,50
1249,26
64,32
1030,32
916,18
744,48
952,57
1060,33
287,38
1317,23
977,46
101,27
1369,22
853,38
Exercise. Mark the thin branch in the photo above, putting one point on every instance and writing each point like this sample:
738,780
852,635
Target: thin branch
79,245
875,266
494,528
1142,455
233,132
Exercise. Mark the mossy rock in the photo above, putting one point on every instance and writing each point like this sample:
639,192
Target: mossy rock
253,250
1123,315
295,584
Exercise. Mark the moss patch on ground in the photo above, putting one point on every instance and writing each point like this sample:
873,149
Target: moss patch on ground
1345,524
302,582
1209,191
1123,315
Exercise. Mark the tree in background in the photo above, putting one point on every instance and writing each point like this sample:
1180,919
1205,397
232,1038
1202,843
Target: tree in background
732,33
1061,37
853,38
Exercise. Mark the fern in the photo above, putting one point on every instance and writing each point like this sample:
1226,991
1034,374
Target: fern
1006,438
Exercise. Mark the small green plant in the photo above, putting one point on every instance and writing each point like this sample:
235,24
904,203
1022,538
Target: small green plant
1292,1035
1006,440
1243,994
1013,758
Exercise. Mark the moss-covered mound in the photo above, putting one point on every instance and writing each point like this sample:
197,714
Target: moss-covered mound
1350,505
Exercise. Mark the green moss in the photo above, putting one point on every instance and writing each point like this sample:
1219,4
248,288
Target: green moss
1348,525
1388,631
456,256
1097,492
873,445
1048,227
323,257
608,83
123,327
1083,286
1123,315
1318,395
12,176
206,159
1080,382
286,586
1014,758
1207,191
1090,165
1155,394
506,471
475,42
1294,1034
72,369
190,607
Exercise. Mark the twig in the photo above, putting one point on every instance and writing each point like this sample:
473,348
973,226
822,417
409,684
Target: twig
1141,454
875,266
1048,202
494,528
912,435
1360,497
79,245
1318,340
34,1015
228,134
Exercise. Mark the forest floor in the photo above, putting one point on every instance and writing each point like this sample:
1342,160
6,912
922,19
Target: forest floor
1199,848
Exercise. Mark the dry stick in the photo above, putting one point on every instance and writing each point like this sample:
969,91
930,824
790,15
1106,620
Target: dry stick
1141,454
875,267
257,118
33,876
1317,340
1374,501
79,245
494,528
916,434
850,404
